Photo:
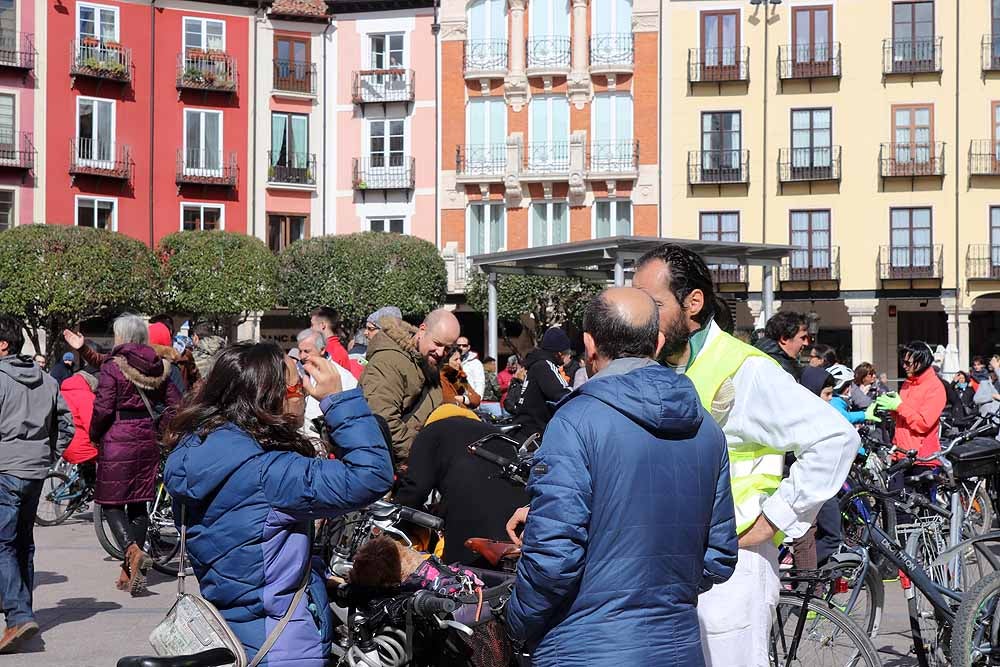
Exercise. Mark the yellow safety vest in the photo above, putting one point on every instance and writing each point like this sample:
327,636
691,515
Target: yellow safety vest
755,469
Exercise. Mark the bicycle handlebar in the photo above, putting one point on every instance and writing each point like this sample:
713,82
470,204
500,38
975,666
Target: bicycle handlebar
426,603
421,518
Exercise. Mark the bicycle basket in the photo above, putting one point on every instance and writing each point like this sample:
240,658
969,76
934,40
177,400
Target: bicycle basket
979,457
489,645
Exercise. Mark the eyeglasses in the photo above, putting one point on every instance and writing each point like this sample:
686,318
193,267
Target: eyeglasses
371,327
464,346
295,391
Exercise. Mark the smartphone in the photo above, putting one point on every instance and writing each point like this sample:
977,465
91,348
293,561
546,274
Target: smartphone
301,369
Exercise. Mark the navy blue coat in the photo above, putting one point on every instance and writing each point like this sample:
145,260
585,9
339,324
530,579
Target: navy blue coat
248,515
631,518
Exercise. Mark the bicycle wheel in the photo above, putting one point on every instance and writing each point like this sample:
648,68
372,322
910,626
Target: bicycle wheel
56,502
978,508
857,507
924,544
163,541
104,536
975,637
828,637
866,611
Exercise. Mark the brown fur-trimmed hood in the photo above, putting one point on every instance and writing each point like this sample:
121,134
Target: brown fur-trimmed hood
141,365
395,335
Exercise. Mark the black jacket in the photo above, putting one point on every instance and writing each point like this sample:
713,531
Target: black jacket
475,502
542,386
772,349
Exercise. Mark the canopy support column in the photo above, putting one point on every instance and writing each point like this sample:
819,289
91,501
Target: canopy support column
619,271
491,298
767,292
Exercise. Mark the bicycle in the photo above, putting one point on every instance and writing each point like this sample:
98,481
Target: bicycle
64,493
162,538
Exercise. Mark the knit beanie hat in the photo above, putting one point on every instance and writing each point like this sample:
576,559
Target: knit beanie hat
555,340
159,334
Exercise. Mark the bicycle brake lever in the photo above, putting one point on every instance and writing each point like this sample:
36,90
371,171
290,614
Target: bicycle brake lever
453,625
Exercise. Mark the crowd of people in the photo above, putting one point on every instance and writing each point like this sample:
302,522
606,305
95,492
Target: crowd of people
675,458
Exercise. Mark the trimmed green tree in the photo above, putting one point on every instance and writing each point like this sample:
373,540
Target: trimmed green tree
359,273
54,276
217,276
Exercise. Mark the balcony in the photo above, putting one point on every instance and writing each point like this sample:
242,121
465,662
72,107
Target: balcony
209,71
984,158
293,170
197,167
613,159
905,56
809,61
991,53
729,277
916,262
801,165
378,172
457,267
17,150
982,262
294,78
546,160
719,167
101,60
548,56
612,53
480,163
485,59
719,65
17,50
100,159
381,86
912,160
808,266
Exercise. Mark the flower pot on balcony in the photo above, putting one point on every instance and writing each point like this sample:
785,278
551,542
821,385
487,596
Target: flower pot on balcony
90,41
217,56
112,45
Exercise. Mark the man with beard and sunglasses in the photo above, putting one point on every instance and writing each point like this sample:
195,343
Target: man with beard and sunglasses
763,413
402,381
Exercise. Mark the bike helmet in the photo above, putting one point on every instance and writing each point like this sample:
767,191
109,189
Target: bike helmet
842,376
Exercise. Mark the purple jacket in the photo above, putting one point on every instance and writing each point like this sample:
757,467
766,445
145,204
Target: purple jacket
127,441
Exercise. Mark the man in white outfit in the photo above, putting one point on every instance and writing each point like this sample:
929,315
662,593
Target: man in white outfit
763,413
312,345
472,366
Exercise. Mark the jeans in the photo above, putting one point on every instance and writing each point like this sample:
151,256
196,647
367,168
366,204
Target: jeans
18,503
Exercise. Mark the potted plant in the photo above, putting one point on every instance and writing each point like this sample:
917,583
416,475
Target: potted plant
89,41
216,55
112,45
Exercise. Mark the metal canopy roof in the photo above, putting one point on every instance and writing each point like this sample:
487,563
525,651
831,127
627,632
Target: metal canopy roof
597,259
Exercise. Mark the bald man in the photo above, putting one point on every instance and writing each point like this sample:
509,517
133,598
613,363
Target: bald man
631,513
401,381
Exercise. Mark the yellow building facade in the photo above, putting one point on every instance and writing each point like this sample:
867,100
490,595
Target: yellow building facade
866,133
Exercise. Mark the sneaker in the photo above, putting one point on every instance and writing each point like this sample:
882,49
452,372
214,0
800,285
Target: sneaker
13,635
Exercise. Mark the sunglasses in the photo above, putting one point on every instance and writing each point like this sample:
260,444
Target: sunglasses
293,391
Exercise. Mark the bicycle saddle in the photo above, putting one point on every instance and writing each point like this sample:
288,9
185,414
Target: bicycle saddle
929,476
492,550
215,657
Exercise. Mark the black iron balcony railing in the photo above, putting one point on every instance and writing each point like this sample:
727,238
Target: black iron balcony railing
17,50
911,56
551,157
295,77
717,167
481,160
198,167
719,65
817,264
206,70
731,274
99,158
910,160
548,52
17,150
610,49
613,157
101,59
291,168
982,262
991,53
809,164
809,61
382,85
485,55
380,172
984,158
911,262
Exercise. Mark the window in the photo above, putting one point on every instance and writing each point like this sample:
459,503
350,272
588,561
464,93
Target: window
913,134
721,226
392,225
612,218
486,133
386,143
95,132
487,228
994,240
204,34
995,113
548,133
386,51
913,36
292,64
721,145
8,22
96,212
6,209
812,35
720,42
812,139
283,230
911,251
202,142
810,235
612,150
290,157
7,126
612,34
97,22
202,217
549,223
548,33
486,48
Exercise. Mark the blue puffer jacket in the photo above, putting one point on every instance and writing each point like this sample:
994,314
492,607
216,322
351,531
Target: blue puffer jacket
248,514
631,518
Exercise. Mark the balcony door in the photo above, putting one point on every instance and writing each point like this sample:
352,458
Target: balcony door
486,136
548,133
913,136
720,45
721,146
721,226
812,143
8,129
386,154
809,232
292,64
486,49
812,36
95,132
290,148
549,223
203,143
487,231
612,33
913,36
10,43
911,250
995,32
612,149
97,22
204,35
548,33
284,230
995,242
